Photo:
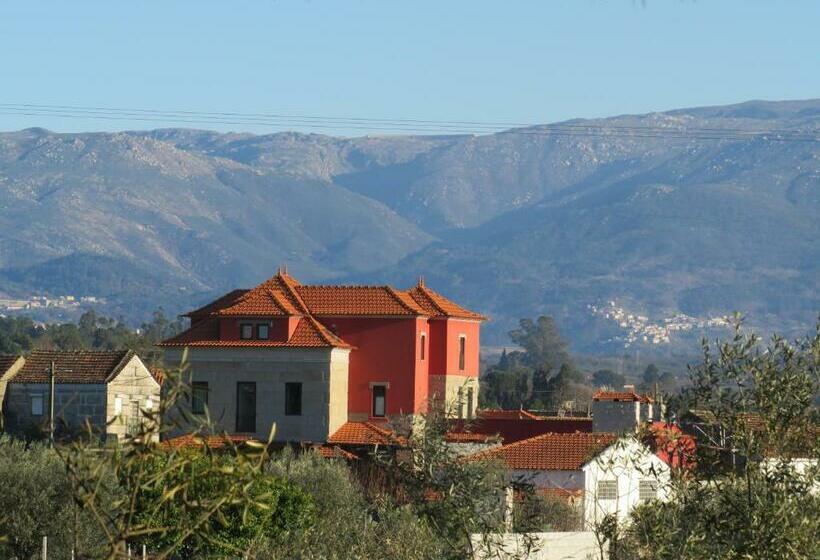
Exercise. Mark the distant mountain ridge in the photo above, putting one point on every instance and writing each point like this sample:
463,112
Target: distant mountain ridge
513,224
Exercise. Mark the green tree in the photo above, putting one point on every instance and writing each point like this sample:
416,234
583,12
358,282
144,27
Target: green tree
36,501
608,378
543,345
748,497
271,507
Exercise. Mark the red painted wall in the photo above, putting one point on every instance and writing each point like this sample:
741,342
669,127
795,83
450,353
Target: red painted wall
471,331
385,350
280,329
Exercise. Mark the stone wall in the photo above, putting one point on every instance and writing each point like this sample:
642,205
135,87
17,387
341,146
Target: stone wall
137,391
73,405
323,373
445,389
570,545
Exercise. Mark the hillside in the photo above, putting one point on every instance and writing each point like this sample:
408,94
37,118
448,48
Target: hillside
513,224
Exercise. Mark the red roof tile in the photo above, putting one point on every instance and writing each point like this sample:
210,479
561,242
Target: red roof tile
195,441
364,433
358,301
437,306
498,414
628,396
220,303
470,437
563,452
6,361
335,452
283,296
309,333
260,302
81,366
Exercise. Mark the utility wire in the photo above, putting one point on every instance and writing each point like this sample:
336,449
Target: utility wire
406,125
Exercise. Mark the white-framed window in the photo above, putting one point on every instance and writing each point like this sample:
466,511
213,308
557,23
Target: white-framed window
462,352
117,406
647,490
607,490
37,405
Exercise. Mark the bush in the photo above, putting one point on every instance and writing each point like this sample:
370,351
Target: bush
270,506
345,525
36,501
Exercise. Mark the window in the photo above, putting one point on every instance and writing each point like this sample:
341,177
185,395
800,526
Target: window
461,402
293,399
607,490
469,402
462,349
134,420
422,344
37,405
262,331
647,490
379,400
117,406
199,397
246,331
245,406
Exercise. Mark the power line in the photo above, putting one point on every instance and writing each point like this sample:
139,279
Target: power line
404,125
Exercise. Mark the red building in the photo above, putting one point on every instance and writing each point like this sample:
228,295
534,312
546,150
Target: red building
310,358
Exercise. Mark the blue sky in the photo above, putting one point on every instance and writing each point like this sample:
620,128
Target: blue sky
512,61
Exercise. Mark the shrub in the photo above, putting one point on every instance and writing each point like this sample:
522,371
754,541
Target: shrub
36,501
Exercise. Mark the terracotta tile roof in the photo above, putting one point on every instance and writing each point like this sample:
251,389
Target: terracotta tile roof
498,414
195,441
260,302
283,296
6,361
563,452
309,333
81,366
628,396
437,306
364,433
335,452
158,374
220,303
358,301
469,437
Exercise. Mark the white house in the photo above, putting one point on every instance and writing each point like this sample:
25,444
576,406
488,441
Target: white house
598,472
621,476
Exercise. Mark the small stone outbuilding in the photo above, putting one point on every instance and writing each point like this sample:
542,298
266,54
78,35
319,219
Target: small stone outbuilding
113,391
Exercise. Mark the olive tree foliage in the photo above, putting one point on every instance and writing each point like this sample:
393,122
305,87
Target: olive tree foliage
180,503
346,525
453,495
37,500
755,491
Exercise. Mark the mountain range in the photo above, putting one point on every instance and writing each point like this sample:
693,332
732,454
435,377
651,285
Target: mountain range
699,211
